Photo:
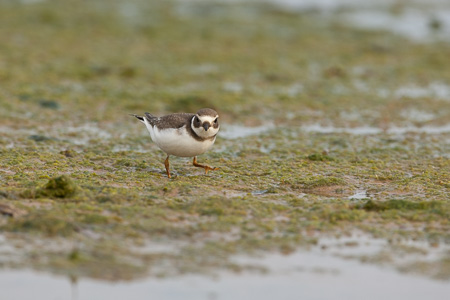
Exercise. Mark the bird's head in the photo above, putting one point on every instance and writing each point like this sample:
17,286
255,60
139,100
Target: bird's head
205,123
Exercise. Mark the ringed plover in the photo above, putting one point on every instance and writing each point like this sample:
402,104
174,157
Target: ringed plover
183,134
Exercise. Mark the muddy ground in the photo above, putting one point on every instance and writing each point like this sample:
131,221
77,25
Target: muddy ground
327,130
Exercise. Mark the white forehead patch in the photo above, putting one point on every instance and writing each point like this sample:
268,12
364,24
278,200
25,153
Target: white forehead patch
207,118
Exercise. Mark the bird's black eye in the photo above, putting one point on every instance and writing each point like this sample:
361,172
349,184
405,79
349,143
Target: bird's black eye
215,121
196,120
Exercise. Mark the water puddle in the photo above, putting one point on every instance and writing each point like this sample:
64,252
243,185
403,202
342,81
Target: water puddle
425,129
134,148
417,115
360,194
83,134
438,90
417,20
366,130
233,132
233,87
77,135
323,6
295,276
259,192
352,245
413,23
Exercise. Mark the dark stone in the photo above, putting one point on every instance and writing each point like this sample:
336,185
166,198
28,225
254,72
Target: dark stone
51,104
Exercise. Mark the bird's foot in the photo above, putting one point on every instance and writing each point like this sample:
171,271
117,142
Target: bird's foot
206,167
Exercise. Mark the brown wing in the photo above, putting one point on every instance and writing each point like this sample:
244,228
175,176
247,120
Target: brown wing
172,121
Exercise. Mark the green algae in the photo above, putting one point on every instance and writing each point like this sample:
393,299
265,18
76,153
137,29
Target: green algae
58,187
320,157
319,181
96,219
401,205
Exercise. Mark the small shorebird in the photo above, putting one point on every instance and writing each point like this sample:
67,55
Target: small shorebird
183,134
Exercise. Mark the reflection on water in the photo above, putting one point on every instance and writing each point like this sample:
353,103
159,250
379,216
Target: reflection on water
307,275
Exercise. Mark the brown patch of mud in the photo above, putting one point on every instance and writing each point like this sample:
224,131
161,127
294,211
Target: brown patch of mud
10,210
330,191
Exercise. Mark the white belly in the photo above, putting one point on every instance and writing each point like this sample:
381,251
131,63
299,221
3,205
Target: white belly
178,142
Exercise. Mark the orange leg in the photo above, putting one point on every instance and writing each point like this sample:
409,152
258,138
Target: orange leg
207,168
166,164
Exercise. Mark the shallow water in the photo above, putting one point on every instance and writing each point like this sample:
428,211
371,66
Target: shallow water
366,130
438,90
360,194
413,24
413,21
232,132
309,275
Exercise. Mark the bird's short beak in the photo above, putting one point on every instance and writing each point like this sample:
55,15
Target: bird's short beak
206,125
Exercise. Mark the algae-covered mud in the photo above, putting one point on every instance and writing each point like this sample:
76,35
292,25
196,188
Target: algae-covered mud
334,138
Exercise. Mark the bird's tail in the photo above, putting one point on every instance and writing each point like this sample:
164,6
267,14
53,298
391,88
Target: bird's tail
150,118
138,117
